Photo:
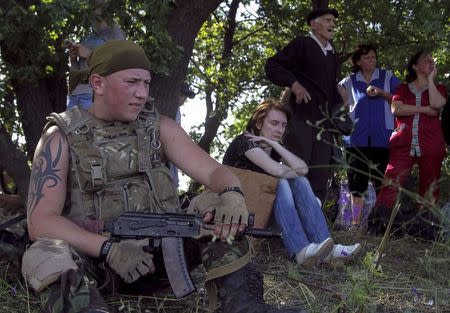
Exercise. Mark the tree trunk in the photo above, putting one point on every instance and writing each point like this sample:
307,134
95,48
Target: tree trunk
183,26
212,122
35,102
14,162
215,117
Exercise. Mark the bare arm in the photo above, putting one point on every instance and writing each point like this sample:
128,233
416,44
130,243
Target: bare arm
437,101
197,164
293,166
271,167
373,91
344,95
47,192
192,160
400,109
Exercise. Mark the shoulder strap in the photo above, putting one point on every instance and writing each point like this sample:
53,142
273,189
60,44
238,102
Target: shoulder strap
69,120
147,130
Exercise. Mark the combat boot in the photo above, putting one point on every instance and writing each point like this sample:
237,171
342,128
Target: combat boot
242,292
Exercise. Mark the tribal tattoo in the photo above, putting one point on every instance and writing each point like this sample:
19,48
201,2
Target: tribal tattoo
44,172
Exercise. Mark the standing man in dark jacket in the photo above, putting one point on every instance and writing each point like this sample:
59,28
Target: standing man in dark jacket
309,65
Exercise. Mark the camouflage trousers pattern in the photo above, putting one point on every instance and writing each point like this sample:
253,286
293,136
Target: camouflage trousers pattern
83,290
13,241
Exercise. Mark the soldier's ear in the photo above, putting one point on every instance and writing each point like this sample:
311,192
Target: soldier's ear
97,84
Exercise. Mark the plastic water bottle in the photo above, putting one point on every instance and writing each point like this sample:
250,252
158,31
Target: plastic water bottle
370,197
344,218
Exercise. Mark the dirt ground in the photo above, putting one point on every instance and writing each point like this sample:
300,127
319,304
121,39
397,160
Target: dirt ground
412,276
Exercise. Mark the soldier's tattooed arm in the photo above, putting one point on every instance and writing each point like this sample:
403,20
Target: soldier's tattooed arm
47,195
46,171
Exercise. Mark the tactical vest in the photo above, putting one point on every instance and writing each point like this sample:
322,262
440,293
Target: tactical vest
114,166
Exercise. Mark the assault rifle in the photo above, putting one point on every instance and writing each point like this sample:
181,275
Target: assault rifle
168,230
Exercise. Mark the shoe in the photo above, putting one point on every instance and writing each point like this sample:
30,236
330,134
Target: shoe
343,253
243,292
314,253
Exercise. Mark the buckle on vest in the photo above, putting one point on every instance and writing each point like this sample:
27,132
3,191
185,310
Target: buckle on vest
156,144
96,174
82,130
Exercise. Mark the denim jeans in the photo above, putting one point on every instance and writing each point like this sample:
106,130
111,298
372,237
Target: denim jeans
298,215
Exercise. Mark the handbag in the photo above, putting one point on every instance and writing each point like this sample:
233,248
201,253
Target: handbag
260,190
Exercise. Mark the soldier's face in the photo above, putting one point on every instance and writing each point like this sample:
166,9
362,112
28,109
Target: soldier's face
125,93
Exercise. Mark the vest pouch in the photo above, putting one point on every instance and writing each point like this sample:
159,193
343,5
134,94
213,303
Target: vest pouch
45,261
163,189
110,202
140,197
89,167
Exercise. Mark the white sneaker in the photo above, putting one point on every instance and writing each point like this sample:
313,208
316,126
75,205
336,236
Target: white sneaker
343,253
314,253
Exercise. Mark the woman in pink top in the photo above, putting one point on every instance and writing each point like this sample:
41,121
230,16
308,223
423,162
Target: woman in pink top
417,138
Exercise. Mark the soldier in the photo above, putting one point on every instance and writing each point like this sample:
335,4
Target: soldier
93,165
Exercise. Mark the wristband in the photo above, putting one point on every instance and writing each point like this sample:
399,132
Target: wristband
106,246
236,189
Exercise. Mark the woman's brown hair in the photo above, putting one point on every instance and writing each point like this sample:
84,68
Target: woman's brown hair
261,112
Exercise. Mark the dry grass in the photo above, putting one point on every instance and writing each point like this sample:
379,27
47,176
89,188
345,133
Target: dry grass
413,276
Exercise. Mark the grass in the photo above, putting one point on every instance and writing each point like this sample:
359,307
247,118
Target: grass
412,276
404,275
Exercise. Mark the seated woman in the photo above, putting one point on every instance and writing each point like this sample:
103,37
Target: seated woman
296,211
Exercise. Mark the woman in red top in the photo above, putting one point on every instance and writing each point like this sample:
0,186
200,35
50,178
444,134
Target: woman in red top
417,138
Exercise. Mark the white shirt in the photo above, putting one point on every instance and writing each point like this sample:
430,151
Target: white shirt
325,48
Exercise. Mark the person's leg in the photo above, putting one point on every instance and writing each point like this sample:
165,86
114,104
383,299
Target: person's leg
309,210
429,174
379,157
298,139
287,219
232,278
302,140
314,223
397,171
319,166
358,178
73,293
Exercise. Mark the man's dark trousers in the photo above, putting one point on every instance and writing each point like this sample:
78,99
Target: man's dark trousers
302,140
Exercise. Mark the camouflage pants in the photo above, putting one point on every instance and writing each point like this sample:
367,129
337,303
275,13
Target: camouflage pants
79,291
83,290
73,293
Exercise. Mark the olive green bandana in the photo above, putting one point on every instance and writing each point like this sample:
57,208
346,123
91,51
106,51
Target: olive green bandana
117,55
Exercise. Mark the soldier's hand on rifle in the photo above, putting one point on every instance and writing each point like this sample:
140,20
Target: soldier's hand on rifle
128,258
231,214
